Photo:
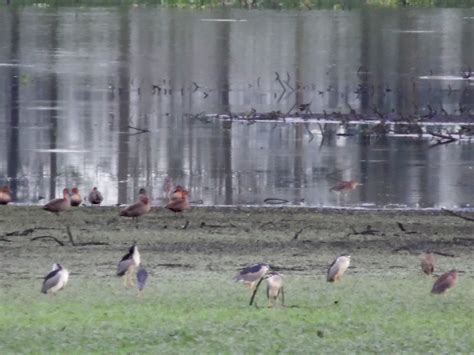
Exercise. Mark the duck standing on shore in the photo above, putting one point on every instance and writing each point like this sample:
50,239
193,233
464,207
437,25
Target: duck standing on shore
76,198
179,200
137,209
59,205
5,195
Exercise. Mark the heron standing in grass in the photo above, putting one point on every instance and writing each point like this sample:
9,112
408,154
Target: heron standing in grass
427,263
250,275
142,277
338,267
445,282
128,264
274,287
55,280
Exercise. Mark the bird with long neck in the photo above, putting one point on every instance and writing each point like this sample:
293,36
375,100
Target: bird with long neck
59,205
95,197
76,198
5,195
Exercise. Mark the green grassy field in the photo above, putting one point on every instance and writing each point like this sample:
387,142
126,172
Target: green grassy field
191,304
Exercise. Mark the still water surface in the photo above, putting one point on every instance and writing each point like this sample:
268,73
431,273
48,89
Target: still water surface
75,81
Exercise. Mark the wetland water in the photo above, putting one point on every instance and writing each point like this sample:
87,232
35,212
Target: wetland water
75,80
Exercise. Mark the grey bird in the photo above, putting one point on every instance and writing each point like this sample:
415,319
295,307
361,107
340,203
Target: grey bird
250,275
142,277
55,280
95,197
338,268
274,287
128,264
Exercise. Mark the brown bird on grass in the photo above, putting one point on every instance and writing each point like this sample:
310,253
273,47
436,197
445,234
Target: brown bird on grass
445,282
137,209
95,197
427,263
76,198
5,195
179,200
59,205
345,186
274,287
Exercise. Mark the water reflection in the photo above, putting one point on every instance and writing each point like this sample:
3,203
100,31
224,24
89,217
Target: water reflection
81,83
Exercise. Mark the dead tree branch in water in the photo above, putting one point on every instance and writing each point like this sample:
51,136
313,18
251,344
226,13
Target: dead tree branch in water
452,213
443,139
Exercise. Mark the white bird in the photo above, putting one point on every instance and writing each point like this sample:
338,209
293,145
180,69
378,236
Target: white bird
338,267
55,280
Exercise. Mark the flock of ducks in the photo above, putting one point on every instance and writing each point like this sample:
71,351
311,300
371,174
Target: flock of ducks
250,276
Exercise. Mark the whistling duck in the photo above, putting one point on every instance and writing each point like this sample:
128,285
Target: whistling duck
95,197
59,205
345,186
76,198
5,195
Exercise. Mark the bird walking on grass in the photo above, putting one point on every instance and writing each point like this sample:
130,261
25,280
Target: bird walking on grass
5,195
59,205
137,209
345,186
142,277
128,264
55,280
427,263
95,197
76,198
445,282
274,287
250,275
338,268
179,200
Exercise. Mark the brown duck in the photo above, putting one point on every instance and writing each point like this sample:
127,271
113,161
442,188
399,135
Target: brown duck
5,195
59,205
179,200
76,198
137,209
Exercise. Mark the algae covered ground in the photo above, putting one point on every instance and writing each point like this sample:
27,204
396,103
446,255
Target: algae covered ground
191,304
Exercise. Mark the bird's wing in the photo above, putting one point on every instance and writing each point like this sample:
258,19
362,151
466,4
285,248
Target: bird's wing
250,274
142,276
333,270
123,266
51,280
134,210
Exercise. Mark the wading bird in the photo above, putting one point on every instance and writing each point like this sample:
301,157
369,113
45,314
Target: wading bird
274,287
427,263
338,267
55,280
5,195
137,209
345,186
59,205
445,282
76,198
250,275
142,277
128,264
179,200
95,197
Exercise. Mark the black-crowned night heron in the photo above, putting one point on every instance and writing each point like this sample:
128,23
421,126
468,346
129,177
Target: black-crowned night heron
427,263
142,277
338,267
5,195
55,280
95,197
274,287
250,275
128,265
445,282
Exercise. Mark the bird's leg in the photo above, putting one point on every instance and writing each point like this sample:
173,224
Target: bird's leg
270,302
140,294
